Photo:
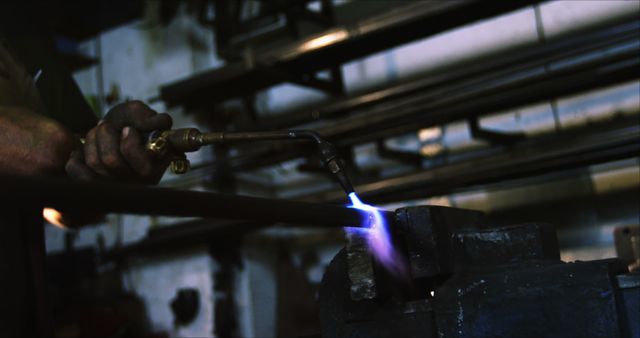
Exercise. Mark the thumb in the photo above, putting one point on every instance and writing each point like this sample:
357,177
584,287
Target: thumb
157,122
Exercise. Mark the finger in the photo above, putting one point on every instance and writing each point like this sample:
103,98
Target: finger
77,170
108,145
157,122
91,156
134,152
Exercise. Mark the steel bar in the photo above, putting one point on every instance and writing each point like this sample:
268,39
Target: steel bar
542,155
331,48
465,99
492,98
66,195
470,104
467,91
204,232
568,46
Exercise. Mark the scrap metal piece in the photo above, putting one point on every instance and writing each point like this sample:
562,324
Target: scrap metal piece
360,268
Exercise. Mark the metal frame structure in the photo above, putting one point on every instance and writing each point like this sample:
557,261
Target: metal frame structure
233,31
609,141
299,61
567,65
514,81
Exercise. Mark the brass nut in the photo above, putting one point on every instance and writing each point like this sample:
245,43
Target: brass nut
158,146
180,166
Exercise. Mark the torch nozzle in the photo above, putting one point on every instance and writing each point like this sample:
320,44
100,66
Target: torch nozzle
335,165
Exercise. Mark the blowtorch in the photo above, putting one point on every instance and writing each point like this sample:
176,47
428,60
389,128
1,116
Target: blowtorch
173,144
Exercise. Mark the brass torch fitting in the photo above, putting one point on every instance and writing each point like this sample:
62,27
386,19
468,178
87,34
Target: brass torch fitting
184,140
175,143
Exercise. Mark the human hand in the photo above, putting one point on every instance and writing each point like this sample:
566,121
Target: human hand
115,148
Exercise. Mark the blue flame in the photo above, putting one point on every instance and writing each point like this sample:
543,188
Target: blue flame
378,237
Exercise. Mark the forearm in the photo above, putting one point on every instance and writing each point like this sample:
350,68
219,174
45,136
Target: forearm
31,144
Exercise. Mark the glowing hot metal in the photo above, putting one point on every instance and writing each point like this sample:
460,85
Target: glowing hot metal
54,217
378,237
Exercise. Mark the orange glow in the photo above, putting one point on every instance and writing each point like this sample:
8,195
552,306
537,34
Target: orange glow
54,217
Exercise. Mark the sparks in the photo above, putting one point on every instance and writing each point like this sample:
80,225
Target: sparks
378,237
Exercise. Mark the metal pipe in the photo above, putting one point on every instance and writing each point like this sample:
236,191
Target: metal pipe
499,62
108,197
461,101
407,23
541,155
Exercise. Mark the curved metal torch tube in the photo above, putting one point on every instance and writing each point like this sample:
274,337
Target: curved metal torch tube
191,139
216,137
328,153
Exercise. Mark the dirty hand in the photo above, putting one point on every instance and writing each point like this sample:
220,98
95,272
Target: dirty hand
115,148
30,143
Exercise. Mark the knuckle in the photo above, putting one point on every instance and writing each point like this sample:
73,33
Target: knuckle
92,162
126,146
111,161
128,149
105,128
167,119
135,105
91,134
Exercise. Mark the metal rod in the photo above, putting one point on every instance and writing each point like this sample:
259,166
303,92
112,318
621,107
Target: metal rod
576,44
568,150
215,137
407,23
460,101
66,195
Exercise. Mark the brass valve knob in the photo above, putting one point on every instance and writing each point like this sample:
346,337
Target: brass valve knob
158,147
180,166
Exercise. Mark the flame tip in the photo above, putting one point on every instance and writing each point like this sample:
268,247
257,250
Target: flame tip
54,217
378,239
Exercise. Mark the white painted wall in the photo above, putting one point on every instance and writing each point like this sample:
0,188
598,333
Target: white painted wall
156,280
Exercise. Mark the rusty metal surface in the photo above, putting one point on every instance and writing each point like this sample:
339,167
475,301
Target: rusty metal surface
361,275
